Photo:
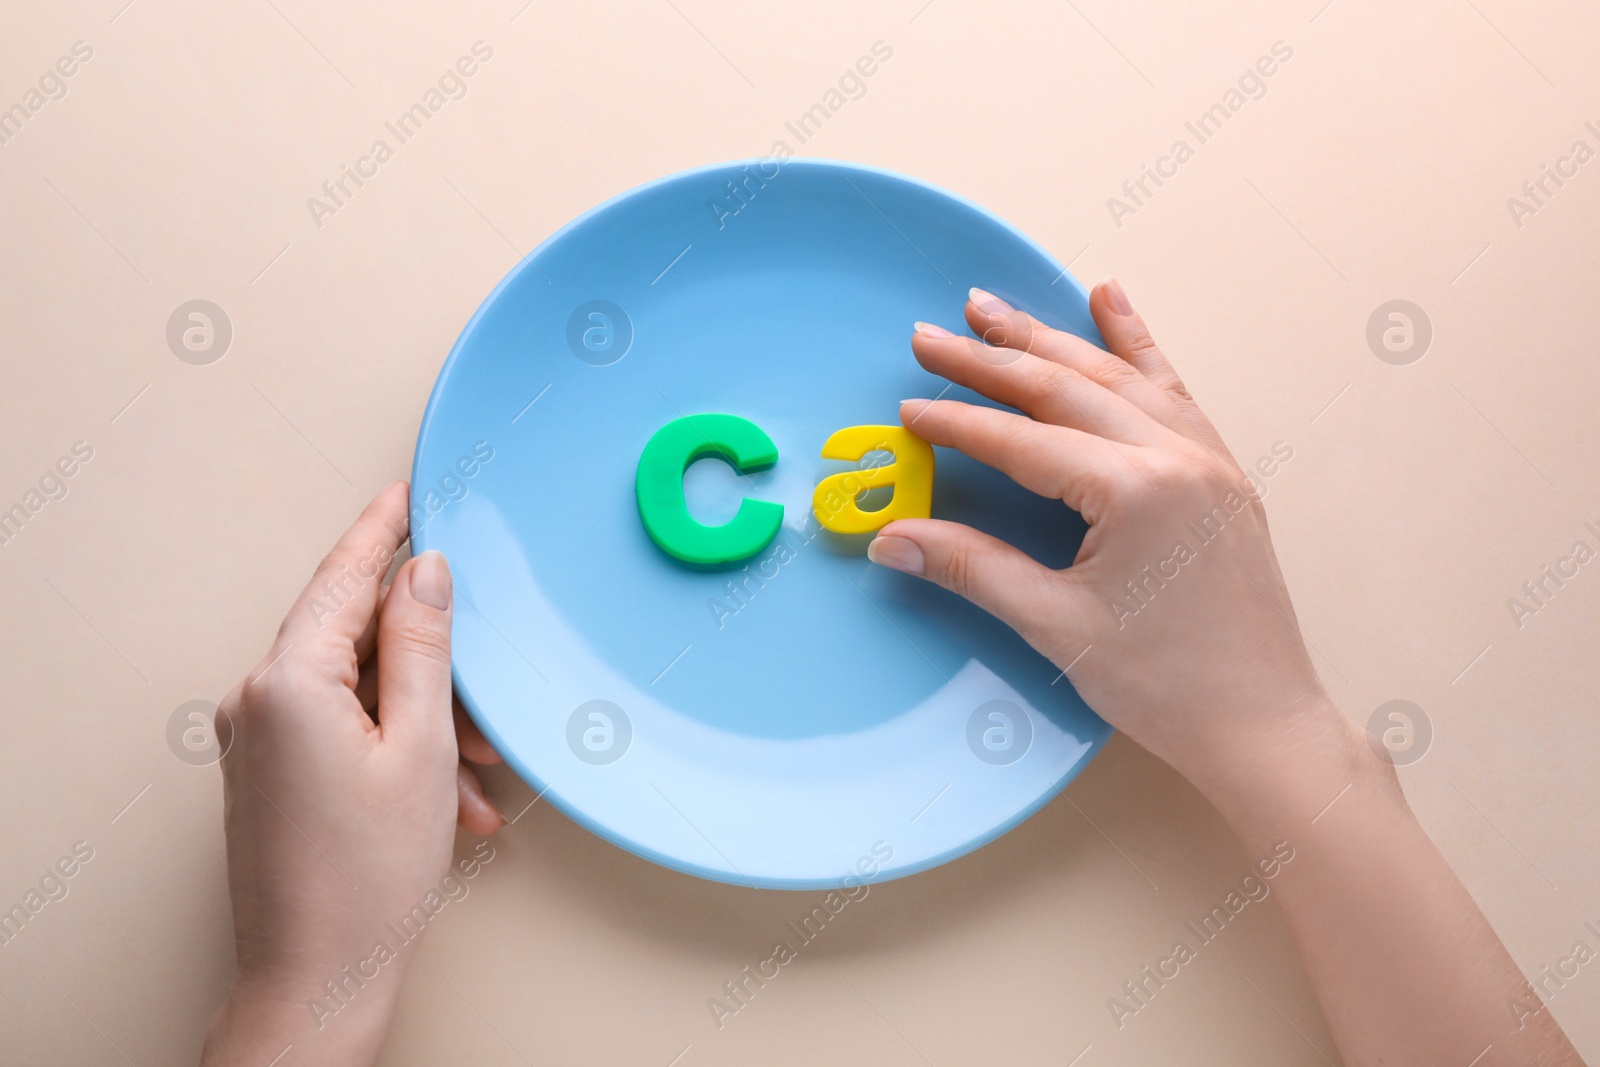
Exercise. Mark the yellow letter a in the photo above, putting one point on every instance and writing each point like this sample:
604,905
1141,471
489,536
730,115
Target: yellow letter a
911,475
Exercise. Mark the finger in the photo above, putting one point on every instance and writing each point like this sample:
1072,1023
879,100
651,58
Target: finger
367,643
414,652
343,593
1053,461
1128,338
998,323
367,685
1043,389
1002,580
470,741
475,812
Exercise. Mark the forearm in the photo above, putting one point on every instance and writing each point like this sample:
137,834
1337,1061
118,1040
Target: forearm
1405,965
256,1024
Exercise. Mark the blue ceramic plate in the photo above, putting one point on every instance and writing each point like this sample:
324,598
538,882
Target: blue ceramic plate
806,716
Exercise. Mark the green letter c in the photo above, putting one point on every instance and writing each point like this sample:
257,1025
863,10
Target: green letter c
659,488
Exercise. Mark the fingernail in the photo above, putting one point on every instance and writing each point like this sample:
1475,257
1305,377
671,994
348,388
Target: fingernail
896,553
1116,297
931,330
430,580
984,300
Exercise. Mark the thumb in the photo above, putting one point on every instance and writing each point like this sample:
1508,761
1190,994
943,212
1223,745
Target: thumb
414,651
1002,580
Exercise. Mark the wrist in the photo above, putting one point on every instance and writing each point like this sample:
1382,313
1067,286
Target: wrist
1285,778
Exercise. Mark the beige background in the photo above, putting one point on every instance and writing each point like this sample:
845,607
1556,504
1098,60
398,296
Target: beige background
1377,167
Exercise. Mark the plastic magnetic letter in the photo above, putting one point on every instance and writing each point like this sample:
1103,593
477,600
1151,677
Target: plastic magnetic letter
658,486
911,475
